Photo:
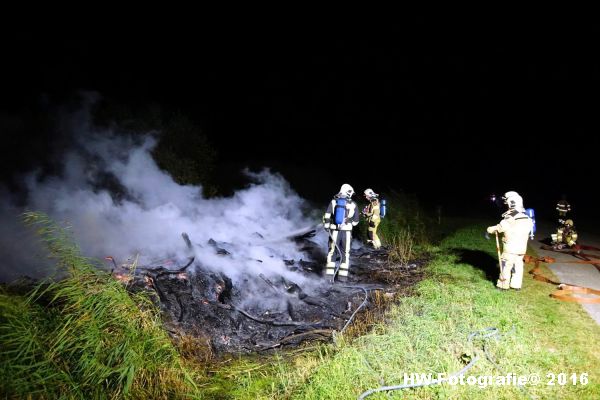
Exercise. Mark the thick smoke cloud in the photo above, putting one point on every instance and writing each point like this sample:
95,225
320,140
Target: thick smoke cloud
119,203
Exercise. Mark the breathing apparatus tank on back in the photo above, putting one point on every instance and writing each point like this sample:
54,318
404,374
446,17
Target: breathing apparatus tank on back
382,208
339,214
531,214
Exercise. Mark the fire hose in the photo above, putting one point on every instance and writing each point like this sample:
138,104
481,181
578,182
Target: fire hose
364,289
565,291
577,253
484,334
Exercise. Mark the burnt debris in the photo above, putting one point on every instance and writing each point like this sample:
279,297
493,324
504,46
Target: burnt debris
258,312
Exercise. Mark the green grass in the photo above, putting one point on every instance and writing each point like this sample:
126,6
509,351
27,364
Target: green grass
84,336
427,333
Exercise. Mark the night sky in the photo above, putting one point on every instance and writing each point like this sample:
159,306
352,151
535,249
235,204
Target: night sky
449,113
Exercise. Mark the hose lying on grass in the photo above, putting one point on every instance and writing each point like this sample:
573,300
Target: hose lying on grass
366,290
485,334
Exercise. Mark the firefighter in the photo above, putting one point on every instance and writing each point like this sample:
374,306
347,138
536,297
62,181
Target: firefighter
566,235
339,219
371,212
516,226
563,207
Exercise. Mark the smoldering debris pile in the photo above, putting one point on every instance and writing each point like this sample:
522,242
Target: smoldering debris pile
245,280
258,312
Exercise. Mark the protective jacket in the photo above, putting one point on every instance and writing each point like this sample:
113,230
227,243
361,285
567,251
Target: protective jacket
372,211
563,207
515,226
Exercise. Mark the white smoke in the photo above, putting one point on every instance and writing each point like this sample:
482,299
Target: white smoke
119,203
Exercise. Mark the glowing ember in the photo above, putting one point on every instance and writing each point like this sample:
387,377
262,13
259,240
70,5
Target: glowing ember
124,278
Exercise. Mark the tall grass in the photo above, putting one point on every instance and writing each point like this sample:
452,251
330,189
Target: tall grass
401,247
404,213
83,336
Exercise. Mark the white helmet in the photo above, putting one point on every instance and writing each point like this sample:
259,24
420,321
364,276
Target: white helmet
346,190
370,194
513,200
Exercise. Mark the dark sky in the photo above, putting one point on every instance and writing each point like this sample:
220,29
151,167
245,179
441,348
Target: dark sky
449,112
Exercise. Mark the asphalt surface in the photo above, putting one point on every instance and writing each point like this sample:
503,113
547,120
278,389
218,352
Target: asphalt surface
586,275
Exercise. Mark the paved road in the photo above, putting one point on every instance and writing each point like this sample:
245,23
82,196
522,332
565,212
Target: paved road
577,274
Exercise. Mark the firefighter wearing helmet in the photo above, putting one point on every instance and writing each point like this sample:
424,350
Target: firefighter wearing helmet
373,216
563,207
339,219
515,227
566,235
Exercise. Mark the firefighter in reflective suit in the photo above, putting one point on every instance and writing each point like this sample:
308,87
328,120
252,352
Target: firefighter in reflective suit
515,226
341,216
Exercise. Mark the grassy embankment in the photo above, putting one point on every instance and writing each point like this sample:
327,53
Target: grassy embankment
428,331
85,337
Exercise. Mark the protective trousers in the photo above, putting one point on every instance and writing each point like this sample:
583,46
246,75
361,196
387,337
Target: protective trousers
511,275
372,233
344,239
